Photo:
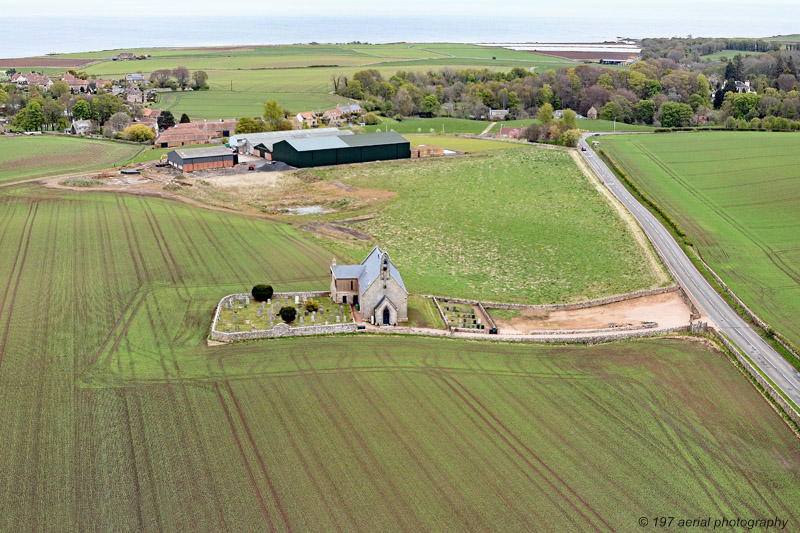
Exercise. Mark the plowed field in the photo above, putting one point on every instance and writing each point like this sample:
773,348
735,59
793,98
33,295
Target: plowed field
117,416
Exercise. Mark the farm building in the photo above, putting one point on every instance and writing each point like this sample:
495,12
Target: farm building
511,133
424,150
336,150
592,114
216,129
185,136
260,144
375,286
193,159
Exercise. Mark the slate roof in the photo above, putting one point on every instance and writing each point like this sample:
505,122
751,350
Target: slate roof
269,138
352,108
368,271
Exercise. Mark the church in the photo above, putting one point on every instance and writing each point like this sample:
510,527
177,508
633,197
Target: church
375,286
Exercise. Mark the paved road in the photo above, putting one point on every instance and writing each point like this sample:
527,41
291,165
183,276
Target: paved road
705,297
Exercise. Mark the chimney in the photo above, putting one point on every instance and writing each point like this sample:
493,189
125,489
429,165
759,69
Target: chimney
333,263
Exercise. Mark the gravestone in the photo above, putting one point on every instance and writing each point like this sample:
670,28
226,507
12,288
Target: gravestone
338,318
228,329
234,318
301,320
237,329
246,301
296,300
269,302
253,328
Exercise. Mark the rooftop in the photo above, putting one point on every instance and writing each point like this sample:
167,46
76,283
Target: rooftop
367,271
211,151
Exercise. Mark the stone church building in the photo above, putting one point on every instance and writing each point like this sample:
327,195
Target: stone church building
375,286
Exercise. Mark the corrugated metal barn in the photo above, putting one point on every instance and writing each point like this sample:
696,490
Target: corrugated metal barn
202,158
320,151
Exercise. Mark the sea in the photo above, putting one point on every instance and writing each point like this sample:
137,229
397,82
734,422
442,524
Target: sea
33,36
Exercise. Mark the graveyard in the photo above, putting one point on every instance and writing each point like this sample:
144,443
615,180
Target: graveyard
463,316
241,313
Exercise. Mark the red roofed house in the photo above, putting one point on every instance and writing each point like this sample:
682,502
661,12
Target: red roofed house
185,135
333,117
512,133
308,119
32,78
215,129
76,85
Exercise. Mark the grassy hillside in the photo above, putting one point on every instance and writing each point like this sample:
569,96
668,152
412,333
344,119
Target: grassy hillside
737,195
23,156
520,225
118,416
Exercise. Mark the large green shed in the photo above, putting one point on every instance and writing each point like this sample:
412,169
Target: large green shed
321,151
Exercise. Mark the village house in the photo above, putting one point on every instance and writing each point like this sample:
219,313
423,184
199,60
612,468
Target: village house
375,287
134,95
136,77
81,127
743,87
592,114
498,114
75,84
181,136
149,122
349,111
510,133
32,79
332,117
307,119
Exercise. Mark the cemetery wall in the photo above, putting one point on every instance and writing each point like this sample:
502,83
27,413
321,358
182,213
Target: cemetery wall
282,330
562,307
279,330
645,325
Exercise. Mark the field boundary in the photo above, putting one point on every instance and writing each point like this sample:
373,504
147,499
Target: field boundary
768,388
688,246
559,307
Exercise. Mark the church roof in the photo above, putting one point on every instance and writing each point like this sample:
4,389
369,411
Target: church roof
368,271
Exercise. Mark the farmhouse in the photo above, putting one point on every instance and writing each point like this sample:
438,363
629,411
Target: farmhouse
350,110
307,119
332,117
498,114
193,159
337,150
81,127
174,137
375,286
261,144
512,133
592,114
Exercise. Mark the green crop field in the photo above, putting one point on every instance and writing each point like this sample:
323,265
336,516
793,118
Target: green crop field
737,195
23,156
298,76
583,123
521,225
118,416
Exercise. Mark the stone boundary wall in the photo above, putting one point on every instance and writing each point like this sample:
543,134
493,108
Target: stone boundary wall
561,307
279,330
761,380
441,313
644,325
492,325
536,339
754,317
282,330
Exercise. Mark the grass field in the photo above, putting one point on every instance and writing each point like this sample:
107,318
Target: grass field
23,156
425,125
118,416
728,54
737,195
512,225
464,145
583,123
298,76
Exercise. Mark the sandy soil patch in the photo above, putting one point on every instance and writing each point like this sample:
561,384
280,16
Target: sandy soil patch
668,310
45,62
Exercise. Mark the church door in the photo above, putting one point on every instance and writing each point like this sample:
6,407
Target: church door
386,316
